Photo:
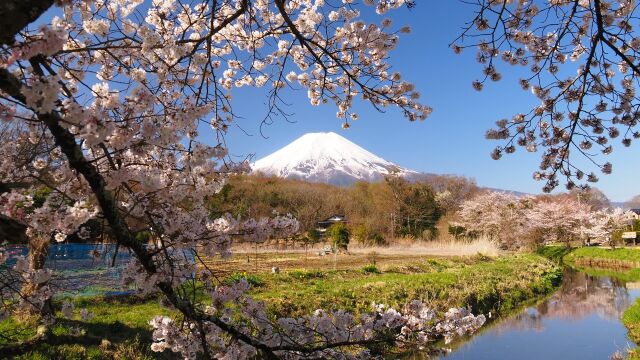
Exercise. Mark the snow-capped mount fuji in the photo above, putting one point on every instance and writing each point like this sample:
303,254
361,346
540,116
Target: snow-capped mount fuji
327,158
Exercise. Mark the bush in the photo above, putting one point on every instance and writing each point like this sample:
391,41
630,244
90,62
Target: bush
456,231
312,236
429,234
143,236
370,269
378,239
339,234
361,234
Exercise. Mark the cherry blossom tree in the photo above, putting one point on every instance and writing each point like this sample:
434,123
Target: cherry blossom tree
497,215
120,94
562,220
604,223
580,59
531,221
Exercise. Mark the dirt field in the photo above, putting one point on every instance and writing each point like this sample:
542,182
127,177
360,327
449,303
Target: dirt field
265,261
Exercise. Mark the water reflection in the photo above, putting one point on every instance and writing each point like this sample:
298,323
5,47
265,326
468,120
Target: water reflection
580,321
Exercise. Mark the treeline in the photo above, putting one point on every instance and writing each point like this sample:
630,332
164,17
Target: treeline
375,212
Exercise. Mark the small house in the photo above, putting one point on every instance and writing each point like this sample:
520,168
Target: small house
324,225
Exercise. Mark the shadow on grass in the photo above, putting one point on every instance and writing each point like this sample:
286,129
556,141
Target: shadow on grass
119,330
71,339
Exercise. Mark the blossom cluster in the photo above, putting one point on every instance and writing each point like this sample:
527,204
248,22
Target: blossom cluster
579,60
137,96
13,276
308,336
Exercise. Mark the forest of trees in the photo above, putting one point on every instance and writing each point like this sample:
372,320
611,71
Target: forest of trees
376,212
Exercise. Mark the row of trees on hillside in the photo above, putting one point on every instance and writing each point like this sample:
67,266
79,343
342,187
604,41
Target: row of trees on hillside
526,222
391,208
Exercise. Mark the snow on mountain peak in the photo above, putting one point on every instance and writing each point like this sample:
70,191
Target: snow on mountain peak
326,157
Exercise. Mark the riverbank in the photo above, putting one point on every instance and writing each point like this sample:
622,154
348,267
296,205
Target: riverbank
631,320
119,328
485,284
621,263
621,258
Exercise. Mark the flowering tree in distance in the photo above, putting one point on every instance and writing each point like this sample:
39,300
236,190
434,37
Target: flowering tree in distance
580,59
118,93
495,215
519,222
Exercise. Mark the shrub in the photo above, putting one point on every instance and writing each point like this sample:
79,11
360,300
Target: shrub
456,231
361,234
143,236
378,239
312,236
339,234
371,269
429,234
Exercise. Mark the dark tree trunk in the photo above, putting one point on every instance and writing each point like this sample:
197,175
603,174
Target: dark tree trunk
12,231
17,14
38,251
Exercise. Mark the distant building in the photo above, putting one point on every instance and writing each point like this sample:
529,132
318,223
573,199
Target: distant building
324,225
636,213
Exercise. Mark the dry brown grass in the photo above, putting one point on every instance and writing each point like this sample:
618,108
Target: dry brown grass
247,258
290,260
440,247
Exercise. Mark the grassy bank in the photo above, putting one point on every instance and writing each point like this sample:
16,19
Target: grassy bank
485,284
120,329
604,257
555,253
631,319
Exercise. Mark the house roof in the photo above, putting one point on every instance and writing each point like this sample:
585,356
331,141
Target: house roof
334,218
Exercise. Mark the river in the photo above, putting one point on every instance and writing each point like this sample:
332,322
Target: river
580,321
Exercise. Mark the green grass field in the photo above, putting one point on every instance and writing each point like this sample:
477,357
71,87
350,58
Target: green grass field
484,284
120,327
629,255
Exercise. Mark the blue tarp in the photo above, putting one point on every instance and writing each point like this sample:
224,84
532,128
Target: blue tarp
78,271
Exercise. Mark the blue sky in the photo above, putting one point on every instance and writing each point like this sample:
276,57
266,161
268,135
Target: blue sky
452,139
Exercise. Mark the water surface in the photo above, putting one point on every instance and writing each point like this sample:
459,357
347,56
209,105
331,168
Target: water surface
580,321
